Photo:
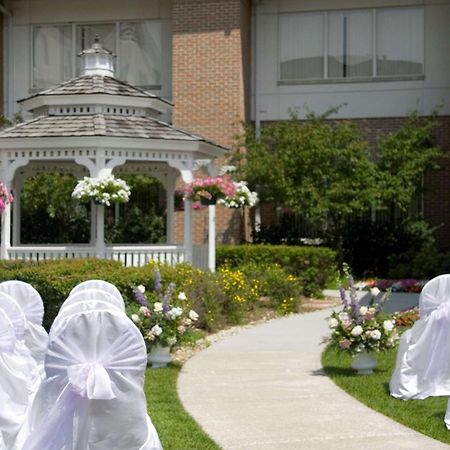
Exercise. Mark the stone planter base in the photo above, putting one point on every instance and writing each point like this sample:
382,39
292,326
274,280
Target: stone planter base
159,356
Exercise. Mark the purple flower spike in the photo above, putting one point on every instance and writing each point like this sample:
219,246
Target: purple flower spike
167,296
157,286
343,297
140,297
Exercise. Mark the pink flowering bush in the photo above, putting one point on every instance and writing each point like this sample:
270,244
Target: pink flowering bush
5,197
356,328
210,188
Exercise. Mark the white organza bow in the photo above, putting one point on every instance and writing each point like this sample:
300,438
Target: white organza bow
93,395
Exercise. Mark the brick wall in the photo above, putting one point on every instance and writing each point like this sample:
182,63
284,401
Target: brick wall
210,85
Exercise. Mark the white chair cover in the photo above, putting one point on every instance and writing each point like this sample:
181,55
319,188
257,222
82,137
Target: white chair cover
92,294
78,307
30,301
93,396
27,297
423,358
15,396
102,285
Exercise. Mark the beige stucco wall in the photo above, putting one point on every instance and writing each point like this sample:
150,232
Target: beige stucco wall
362,99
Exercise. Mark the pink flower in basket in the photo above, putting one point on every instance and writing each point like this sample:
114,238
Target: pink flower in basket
5,197
210,188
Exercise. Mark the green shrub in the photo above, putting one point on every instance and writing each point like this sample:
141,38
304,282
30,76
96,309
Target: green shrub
313,266
280,287
55,279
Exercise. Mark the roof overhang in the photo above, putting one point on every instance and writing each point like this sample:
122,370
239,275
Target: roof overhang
125,101
197,149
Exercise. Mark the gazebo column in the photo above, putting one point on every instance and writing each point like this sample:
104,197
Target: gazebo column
188,230
93,223
185,169
100,235
6,232
212,227
7,176
170,202
16,211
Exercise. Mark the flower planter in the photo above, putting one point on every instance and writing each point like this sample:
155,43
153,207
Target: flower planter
208,201
364,363
159,356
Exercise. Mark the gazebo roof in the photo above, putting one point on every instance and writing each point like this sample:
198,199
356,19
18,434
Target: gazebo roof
95,84
96,111
98,125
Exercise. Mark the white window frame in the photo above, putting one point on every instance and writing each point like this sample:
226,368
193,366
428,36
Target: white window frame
374,76
74,26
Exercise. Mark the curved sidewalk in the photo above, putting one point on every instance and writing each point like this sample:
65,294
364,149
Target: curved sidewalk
264,388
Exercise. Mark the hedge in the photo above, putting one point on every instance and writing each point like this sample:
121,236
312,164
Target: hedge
314,266
55,279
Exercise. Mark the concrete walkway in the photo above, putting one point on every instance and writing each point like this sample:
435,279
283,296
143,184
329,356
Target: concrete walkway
264,388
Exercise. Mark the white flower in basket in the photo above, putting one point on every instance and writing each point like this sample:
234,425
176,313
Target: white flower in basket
242,197
103,190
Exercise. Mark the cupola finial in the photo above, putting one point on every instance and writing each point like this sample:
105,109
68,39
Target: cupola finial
97,60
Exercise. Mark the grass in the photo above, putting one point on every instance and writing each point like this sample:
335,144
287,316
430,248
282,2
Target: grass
176,428
425,416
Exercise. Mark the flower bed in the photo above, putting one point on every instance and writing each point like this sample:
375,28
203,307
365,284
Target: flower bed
404,285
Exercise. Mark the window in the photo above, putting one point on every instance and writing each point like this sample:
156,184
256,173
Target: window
351,45
301,47
140,53
52,61
400,42
137,45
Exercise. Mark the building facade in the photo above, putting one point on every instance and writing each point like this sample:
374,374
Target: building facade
223,62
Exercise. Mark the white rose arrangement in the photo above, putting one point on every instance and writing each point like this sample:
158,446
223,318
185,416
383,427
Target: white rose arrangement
356,328
159,320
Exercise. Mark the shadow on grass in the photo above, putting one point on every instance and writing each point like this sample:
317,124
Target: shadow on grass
335,371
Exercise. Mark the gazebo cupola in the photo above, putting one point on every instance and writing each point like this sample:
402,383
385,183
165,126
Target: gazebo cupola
97,60
93,125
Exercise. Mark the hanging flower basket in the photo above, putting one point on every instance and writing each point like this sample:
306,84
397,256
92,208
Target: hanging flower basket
5,197
103,191
242,197
210,189
208,201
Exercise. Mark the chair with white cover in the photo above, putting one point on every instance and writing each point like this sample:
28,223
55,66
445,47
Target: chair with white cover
88,304
93,396
92,294
15,382
30,301
102,285
423,358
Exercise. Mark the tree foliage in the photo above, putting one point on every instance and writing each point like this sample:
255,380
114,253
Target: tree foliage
323,169
404,156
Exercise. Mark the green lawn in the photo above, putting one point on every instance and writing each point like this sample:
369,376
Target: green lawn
425,416
176,429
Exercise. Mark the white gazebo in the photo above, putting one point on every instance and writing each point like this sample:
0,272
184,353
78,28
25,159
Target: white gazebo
93,125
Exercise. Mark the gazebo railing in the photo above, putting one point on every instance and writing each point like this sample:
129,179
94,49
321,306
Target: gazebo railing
130,255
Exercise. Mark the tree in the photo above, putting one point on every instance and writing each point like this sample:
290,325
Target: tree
318,168
323,169
404,156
